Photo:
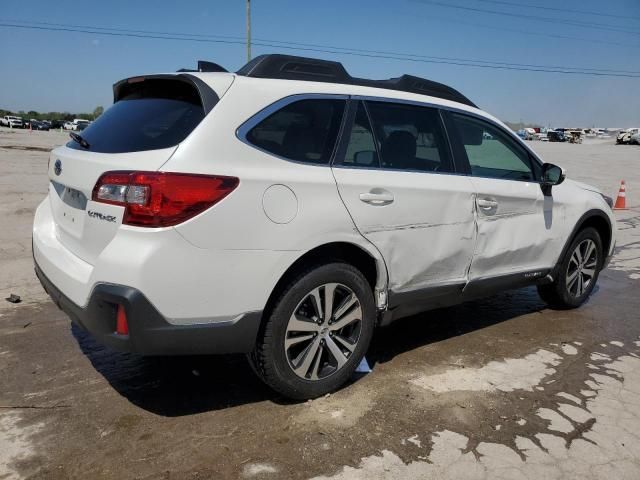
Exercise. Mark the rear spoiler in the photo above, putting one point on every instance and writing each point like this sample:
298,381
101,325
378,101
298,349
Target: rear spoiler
204,66
208,96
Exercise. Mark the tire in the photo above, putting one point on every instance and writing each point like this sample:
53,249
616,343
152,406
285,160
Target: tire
299,356
569,290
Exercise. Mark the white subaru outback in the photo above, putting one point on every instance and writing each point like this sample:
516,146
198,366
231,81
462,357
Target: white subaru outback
288,209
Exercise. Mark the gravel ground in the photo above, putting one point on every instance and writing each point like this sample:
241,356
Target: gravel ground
498,388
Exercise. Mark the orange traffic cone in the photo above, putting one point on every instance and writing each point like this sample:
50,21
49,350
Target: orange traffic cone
621,201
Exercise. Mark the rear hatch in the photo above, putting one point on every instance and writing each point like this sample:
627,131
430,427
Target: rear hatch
141,131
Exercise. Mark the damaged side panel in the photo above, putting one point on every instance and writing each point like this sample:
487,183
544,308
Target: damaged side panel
425,254
425,227
519,229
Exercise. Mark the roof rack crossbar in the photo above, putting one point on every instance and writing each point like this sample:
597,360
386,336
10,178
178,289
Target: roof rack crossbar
289,67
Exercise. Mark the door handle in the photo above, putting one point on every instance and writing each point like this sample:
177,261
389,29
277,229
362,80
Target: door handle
486,203
377,197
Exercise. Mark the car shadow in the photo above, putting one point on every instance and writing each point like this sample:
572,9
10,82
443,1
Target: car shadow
187,385
179,385
437,325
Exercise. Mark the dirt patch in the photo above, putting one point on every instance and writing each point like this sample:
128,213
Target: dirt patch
27,148
576,446
16,445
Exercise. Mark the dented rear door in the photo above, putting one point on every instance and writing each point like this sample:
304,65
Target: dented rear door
422,221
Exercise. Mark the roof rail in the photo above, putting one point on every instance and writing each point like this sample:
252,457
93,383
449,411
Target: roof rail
204,66
289,67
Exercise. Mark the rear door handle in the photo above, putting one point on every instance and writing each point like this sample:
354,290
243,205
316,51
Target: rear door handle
487,204
377,197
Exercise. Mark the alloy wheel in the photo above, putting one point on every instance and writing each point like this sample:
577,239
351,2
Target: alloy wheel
323,331
582,268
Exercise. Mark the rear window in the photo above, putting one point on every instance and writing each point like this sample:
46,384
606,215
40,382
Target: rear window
150,115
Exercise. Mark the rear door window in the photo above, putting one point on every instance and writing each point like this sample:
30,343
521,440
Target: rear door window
151,115
303,131
410,137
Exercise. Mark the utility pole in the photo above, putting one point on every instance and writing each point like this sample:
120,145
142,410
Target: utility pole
248,30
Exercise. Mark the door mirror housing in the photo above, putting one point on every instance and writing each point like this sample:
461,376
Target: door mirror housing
551,175
365,158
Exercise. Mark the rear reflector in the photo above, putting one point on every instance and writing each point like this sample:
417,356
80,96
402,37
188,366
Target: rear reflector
122,327
161,199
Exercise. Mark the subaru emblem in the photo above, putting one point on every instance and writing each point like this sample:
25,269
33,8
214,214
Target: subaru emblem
57,167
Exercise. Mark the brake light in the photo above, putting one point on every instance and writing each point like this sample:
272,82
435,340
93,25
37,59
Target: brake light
122,325
161,199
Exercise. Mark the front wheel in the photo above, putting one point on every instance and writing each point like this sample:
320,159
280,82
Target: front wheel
578,272
317,333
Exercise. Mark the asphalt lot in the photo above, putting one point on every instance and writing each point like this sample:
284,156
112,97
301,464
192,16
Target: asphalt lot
498,388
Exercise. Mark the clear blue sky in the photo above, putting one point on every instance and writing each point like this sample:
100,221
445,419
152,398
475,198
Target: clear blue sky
71,71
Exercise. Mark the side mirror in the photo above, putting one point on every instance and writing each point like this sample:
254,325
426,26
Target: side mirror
365,158
551,175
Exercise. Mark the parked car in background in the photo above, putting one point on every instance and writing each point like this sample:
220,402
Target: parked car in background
530,133
603,133
80,124
624,136
556,136
12,121
573,136
590,133
290,244
541,137
38,125
55,124
68,125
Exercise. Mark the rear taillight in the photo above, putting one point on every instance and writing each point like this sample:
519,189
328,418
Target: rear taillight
122,324
161,199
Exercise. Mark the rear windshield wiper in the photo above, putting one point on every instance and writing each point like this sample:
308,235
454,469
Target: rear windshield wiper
77,138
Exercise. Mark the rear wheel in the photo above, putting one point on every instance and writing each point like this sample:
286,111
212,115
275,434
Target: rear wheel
578,272
317,333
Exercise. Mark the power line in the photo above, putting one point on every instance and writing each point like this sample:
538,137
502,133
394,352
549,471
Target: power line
128,30
558,21
337,50
332,47
527,32
431,17
557,9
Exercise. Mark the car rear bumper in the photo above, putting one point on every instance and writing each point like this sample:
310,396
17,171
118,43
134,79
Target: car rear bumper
149,332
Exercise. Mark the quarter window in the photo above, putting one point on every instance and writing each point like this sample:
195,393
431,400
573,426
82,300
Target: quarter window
304,131
410,137
491,152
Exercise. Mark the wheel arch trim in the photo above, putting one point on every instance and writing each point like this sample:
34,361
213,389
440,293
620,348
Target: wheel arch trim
380,288
582,221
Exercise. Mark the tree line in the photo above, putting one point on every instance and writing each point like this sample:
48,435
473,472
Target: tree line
62,116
